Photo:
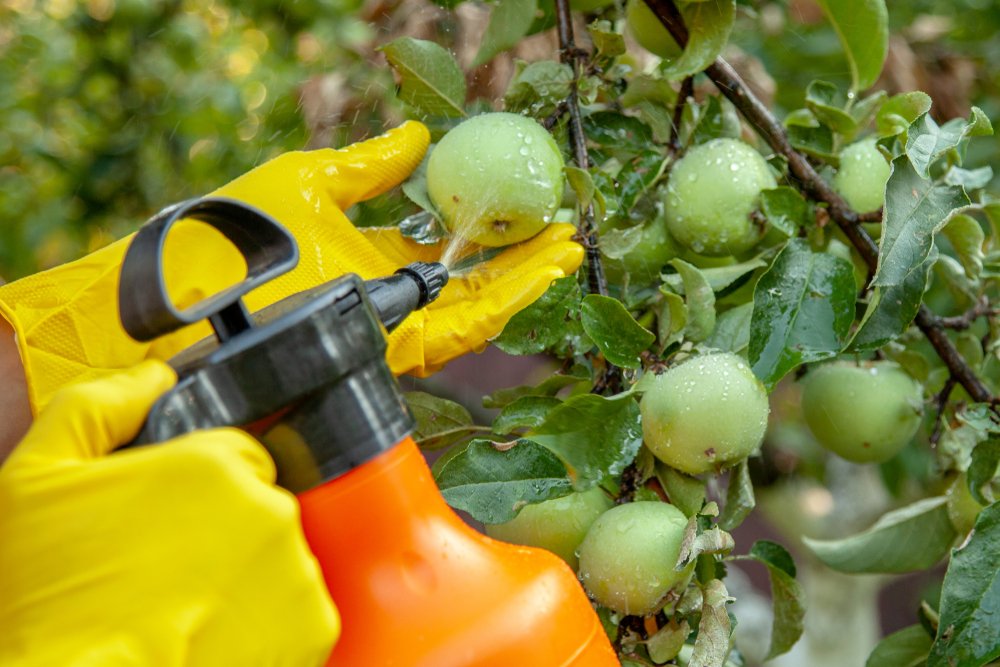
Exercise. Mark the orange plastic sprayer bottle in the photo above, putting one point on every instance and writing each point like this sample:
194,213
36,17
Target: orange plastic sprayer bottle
415,585
420,587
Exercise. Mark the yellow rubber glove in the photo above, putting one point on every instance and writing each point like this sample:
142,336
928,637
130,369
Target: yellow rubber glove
66,319
183,553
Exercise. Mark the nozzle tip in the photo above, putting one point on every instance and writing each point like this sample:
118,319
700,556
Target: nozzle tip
431,277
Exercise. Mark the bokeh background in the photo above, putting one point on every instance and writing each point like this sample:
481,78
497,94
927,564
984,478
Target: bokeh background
112,109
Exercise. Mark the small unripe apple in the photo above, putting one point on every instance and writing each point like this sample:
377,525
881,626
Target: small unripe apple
864,412
648,32
711,196
627,558
558,525
705,413
496,178
862,176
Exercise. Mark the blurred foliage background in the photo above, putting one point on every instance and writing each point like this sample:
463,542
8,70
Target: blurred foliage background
111,109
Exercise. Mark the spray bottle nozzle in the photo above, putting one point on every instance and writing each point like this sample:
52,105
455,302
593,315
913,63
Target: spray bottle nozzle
410,288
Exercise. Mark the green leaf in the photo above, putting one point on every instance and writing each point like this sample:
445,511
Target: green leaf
686,493
908,647
899,112
732,329
548,387
968,632
607,42
970,179
697,542
803,310
915,210
814,141
911,538
712,643
613,329
966,237
786,209
670,319
431,81
510,20
538,87
709,25
440,422
666,643
891,310
582,184
594,436
983,468
740,499
719,278
927,141
552,322
525,412
700,300
715,118
863,28
827,104
493,485
787,596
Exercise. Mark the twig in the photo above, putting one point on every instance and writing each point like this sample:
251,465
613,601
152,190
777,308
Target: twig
757,114
941,400
686,91
965,320
569,54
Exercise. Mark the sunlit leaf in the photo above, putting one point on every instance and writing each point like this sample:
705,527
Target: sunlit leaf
431,80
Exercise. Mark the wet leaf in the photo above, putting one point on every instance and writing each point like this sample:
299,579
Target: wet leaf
827,104
787,597
803,310
983,468
613,329
966,237
712,644
899,112
699,297
786,209
927,141
538,87
915,210
552,322
908,647
440,422
431,80
732,329
719,278
891,310
968,632
493,485
510,20
709,25
863,28
912,538
525,412
686,493
740,499
548,387
594,436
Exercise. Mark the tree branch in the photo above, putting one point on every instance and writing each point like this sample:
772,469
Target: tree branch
757,114
570,55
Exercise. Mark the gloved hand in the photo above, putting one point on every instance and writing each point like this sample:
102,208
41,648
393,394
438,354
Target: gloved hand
178,554
67,322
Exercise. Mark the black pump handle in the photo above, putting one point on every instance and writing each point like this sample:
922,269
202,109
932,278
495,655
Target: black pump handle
144,304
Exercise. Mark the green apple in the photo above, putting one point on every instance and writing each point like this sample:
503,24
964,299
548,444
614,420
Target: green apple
628,556
711,195
557,525
648,32
704,414
864,412
496,178
643,262
862,176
